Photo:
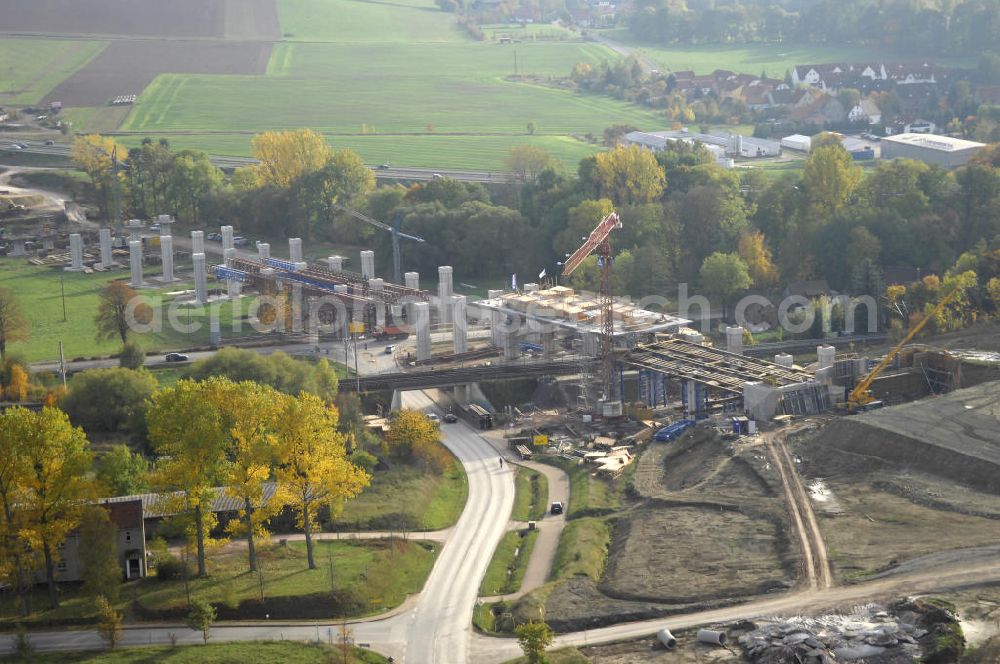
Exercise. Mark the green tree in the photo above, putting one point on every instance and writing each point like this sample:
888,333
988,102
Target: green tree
109,400
131,356
92,154
724,276
109,622
123,471
629,175
13,324
112,312
314,469
528,161
534,638
282,372
191,178
102,575
201,617
830,178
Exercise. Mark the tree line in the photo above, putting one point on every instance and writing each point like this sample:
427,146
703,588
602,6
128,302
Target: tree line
963,28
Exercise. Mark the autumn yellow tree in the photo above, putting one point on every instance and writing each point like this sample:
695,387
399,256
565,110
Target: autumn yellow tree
56,486
17,388
94,155
13,325
757,255
629,175
830,178
286,155
15,557
185,431
248,414
313,469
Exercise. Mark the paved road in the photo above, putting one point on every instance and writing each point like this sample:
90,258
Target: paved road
391,173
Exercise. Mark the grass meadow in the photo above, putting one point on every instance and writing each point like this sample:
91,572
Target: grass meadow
31,68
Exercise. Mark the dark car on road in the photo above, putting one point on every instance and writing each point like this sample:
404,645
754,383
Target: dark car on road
451,418
177,357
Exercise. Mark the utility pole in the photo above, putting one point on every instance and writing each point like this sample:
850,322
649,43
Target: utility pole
62,292
515,61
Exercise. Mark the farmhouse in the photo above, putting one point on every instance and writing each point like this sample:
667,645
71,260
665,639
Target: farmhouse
128,519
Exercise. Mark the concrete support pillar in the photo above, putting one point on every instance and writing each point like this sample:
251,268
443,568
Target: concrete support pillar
335,263
75,253
530,288
227,237
784,359
342,314
825,355
493,294
48,244
548,344
445,291
591,344
496,321
295,249
397,400
106,255
511,345
460,332
422,323
18,249
263,250
135,262
167,258
368,264
377,289
228,255
462,394
214,330
734,339
197,242
200,278
412,280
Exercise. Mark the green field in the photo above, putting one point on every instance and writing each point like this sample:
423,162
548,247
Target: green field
39,290
404,498
259,652
354,21
371,576
31,68
531,494
754,58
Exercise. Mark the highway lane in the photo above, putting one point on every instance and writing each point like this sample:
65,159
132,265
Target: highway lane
230,163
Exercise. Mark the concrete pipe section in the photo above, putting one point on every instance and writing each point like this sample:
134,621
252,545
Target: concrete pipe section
711,637
667,639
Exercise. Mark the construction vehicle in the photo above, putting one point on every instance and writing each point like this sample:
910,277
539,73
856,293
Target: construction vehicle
391,332
860,398
397,275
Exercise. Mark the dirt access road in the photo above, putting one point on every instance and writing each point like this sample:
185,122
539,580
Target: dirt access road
814,552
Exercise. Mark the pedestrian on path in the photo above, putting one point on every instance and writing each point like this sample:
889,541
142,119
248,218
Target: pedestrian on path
501,463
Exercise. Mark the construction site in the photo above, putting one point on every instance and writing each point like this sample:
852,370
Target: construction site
704,475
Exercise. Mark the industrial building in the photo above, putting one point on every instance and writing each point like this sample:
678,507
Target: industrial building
943,151
722,145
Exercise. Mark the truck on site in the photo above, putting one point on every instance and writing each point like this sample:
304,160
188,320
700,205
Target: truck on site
391,332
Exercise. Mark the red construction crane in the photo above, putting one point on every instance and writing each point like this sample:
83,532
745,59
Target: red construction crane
599,239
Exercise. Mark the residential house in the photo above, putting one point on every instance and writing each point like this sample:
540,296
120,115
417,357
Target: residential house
865,111
792,98
128,520
910,126
809,289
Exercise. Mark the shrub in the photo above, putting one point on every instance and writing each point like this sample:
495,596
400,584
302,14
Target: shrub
131,356
170,568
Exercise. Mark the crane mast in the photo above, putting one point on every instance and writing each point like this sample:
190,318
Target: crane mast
397,275
599,241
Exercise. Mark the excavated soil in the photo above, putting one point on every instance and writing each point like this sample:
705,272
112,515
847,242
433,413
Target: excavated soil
690,554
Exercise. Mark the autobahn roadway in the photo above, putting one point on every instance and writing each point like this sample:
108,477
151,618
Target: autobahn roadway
231,163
